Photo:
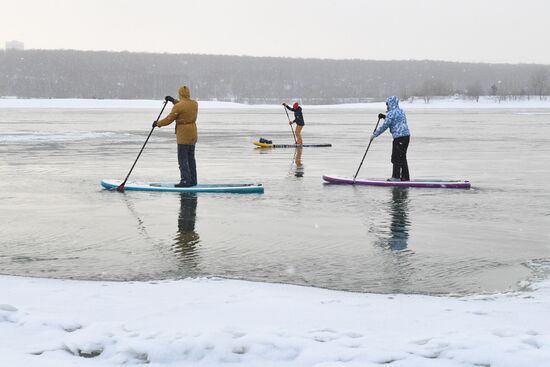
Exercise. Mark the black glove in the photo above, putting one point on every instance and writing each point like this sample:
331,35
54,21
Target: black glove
155,124
381,116
169,99
284,104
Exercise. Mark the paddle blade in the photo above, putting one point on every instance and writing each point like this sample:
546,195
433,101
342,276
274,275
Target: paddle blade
120,188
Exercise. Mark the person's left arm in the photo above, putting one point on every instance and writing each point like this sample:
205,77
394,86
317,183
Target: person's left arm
171,99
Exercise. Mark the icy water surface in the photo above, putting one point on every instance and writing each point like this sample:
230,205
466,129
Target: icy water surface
56,220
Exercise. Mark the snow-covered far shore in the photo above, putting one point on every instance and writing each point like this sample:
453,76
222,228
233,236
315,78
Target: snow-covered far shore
416,103
214,322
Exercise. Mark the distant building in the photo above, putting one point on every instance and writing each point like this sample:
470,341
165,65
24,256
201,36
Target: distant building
15,45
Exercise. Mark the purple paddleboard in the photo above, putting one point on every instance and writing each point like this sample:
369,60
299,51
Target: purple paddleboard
414,183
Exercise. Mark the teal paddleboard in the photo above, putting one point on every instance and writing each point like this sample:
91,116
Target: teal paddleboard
152,186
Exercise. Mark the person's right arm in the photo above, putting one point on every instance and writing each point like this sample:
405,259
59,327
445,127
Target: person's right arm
387,122
172,116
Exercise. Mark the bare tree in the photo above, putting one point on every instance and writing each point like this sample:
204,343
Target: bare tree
433,87
539,80
474,91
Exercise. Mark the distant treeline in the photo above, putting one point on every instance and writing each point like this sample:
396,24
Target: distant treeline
126,75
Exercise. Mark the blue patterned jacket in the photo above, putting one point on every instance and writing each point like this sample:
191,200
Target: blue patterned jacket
396,120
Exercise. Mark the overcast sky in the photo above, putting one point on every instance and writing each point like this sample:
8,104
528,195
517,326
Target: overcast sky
508,31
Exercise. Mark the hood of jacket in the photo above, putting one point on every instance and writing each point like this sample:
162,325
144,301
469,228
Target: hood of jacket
184,92
392,102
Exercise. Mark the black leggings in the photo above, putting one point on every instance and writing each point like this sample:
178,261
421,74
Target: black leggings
399,158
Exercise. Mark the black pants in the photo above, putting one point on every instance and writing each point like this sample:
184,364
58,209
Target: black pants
399,158
188,167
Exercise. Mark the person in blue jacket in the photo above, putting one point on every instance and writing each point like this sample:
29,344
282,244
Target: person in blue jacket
396,120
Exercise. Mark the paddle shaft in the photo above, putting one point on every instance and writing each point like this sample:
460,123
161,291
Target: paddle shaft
121,187
291,128
364,155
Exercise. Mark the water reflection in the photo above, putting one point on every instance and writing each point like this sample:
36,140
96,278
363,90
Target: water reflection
399,225
299,170
397,232
187,239
396,260
141,227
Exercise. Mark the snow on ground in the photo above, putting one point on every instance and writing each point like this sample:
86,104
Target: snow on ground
214,322
417,103
455,103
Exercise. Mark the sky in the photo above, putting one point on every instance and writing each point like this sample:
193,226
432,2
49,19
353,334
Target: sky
495,31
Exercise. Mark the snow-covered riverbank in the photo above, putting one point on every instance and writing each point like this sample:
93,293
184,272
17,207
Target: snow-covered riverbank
417,103
212,322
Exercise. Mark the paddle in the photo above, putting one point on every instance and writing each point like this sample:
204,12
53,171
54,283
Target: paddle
120,188
356,173
291,128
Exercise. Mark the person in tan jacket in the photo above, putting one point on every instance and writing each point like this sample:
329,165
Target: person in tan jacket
184,113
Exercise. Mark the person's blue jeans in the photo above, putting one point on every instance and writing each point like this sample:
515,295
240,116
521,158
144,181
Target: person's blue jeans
188,167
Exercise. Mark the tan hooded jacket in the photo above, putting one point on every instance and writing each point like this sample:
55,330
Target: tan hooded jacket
184,113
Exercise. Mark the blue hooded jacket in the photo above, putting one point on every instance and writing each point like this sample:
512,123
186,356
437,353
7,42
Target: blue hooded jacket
396,120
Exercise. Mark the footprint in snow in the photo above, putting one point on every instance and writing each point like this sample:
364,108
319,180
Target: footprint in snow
479,313
353,335
238,334
8,308
504,333
326,330
533,343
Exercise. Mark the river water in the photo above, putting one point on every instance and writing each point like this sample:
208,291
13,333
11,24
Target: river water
57,221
